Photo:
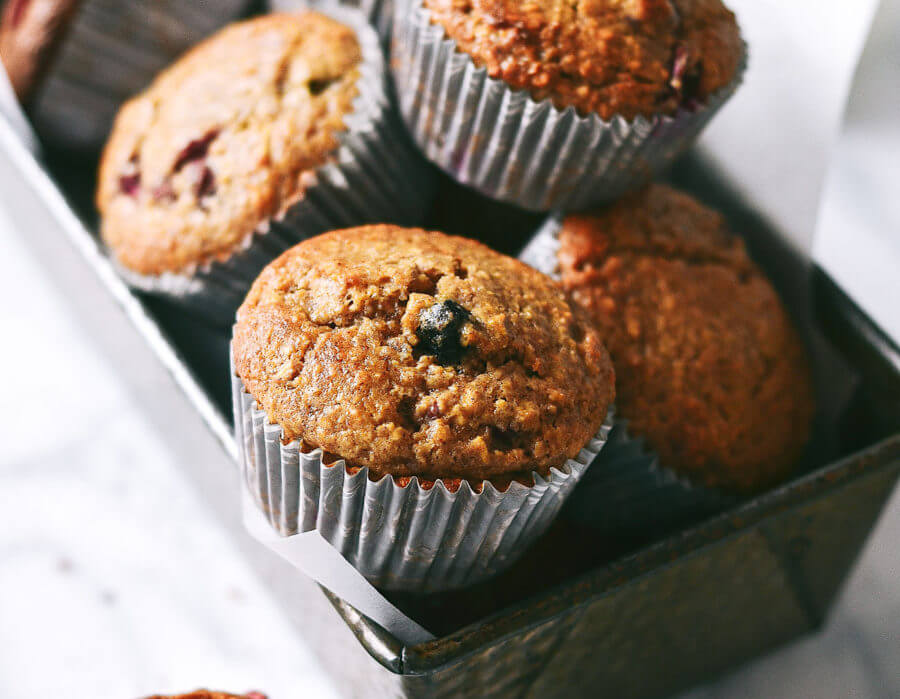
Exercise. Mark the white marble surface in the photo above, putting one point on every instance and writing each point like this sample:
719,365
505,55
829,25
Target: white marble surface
115,581
776,134
860,192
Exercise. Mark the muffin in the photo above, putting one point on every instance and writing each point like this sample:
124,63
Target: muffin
643,57
452,394
711,372
550,104
272,130
207,694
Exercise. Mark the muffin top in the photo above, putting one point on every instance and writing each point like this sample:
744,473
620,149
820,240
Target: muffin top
415,353
207,694
224,140
625,57
710,369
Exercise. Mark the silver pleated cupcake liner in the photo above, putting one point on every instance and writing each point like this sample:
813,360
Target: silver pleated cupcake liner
511,147
375,176
399,537
542,249
379,13
627,492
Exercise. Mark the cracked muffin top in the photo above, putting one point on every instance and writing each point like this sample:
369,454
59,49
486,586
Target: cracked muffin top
709,368
625,57
414,353
224,140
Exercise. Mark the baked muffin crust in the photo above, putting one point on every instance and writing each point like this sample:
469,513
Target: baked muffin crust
626,57
710,369
224,140
336,342
207,694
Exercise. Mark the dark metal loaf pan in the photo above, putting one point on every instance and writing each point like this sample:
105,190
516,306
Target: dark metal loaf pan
577,616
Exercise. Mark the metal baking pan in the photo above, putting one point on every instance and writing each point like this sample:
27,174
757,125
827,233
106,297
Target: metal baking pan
635,618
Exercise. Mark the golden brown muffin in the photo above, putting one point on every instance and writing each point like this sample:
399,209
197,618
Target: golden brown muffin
625,57
710,369
207,694
416,353
225,140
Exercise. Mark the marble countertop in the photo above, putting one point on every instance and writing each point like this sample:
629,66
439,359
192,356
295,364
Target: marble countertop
115,579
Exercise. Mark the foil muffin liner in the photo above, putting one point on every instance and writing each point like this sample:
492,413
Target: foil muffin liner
627,492
400,537
374,176
510,147
379,13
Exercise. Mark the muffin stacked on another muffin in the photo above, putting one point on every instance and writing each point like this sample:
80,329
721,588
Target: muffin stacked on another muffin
609,57
428,359
710,369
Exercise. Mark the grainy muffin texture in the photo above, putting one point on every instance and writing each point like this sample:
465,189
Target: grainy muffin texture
207,694
625,57
225,140
414,353
709,368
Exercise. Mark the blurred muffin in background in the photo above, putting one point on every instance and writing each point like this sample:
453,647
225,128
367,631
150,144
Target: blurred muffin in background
208,694
710,370
273,130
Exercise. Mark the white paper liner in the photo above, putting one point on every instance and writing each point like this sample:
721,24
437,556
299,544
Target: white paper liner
510,147
627,492
400,538
310,553
541,251
375,176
